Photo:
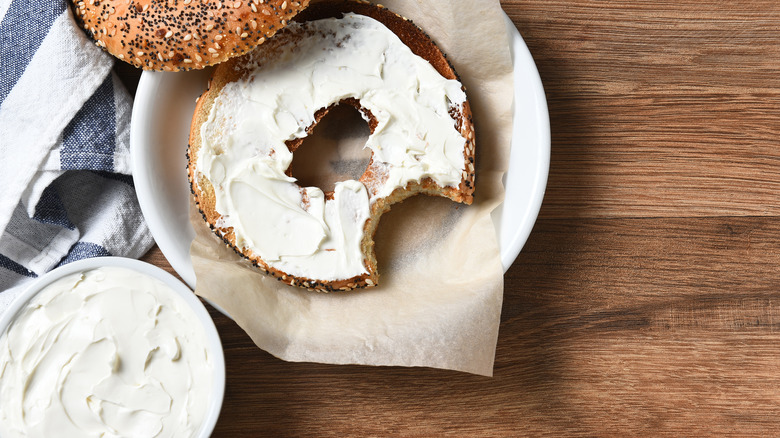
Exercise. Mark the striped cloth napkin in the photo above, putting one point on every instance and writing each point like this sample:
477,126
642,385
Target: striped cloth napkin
67,193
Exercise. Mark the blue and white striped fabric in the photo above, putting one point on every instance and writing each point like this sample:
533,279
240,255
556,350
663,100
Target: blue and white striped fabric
64,141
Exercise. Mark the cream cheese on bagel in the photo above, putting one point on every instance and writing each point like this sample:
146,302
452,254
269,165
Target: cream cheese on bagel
421,142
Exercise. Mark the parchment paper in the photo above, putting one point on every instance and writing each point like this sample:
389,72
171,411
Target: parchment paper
441,281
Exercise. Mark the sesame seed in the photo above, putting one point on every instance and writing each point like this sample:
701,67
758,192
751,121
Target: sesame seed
168,34
186,2
244,35
139,53
187,37
159,56
254,8
198,57
145,8
238,30
120,56
212,50
369,282
170,54
236,5
253,22
265,11
218,37
217,46
209,27
284,5
187,61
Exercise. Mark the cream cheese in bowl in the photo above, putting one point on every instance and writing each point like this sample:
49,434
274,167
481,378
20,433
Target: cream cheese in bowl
109,348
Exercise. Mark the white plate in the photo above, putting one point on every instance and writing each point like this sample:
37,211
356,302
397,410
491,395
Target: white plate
162,113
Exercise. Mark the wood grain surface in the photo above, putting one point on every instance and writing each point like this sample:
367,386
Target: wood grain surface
646,300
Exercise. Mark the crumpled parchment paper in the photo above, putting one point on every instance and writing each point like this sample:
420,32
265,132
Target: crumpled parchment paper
441,281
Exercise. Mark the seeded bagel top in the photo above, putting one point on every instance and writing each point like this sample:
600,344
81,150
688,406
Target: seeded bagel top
173,35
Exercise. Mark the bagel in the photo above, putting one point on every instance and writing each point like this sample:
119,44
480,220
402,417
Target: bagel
241,147
173,35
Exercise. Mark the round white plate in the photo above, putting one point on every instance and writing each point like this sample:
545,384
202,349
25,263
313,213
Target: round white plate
164,103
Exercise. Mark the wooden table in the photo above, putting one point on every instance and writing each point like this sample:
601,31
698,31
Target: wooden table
647,300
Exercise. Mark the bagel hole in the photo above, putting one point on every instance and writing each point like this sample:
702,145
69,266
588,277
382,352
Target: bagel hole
335,150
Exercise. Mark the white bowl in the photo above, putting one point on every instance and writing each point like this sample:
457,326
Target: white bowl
214,345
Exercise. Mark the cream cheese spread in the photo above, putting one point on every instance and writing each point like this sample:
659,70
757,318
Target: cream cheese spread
109,352
319,64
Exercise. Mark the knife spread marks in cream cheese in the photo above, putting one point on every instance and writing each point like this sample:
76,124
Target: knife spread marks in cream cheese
244,155
109,352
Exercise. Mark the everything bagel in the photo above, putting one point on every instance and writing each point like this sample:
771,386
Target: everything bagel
173,35
259,107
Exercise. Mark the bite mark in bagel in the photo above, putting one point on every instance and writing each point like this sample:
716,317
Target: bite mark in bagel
422,141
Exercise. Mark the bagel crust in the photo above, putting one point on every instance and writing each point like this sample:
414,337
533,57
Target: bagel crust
174,35
373,181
